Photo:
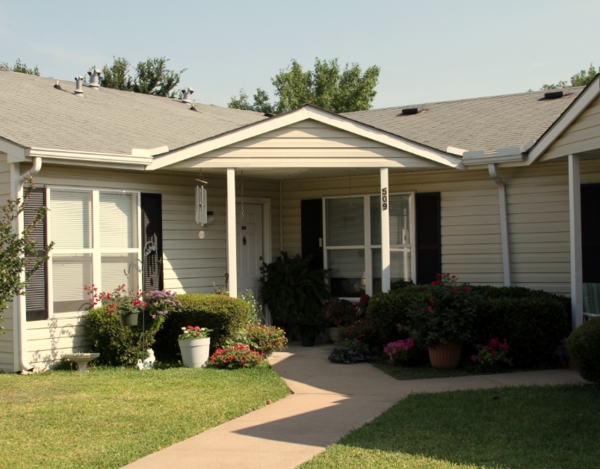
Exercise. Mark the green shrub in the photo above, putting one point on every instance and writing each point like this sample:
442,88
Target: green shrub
265,339
584,349
118,345
533,322
388,310
224,315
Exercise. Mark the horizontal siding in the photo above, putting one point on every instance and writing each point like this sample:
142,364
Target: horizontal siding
191,265
6,339
582,135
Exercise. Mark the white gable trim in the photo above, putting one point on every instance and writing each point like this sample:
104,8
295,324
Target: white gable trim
16,153
307,112
573,112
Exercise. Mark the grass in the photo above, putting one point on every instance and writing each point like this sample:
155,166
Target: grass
421,372
509,428
110,417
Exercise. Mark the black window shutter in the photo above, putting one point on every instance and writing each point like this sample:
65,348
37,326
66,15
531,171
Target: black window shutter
152,231
429,239
36,298
590,232
311,215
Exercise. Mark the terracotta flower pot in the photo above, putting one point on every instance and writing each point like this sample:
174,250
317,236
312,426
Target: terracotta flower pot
445,356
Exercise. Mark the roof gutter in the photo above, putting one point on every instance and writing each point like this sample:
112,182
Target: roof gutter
503,223
19,301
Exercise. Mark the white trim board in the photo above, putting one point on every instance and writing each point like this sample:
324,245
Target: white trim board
293,117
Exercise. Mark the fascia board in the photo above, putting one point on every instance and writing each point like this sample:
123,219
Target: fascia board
299,115
572,113
86,158
16,153
493,159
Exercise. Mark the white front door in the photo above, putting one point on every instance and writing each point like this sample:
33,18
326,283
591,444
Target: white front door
249,233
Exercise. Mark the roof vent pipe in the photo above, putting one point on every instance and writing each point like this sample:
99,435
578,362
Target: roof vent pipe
187,95
79,86
553,95
95,75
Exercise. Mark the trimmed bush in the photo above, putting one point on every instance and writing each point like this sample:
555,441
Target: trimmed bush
584,349
388,310
533,322
224,315
118,345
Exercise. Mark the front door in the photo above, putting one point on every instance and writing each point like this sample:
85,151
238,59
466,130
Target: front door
249,246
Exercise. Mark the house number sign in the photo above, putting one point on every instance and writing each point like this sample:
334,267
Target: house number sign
384,199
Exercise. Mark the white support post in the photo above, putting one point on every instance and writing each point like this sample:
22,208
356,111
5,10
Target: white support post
231,234
575,232
385,232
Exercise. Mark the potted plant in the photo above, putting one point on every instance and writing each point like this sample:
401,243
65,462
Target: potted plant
340,313
293,291
194,343
127,305
443,320
491,356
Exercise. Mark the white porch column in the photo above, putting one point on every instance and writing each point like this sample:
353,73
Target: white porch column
575,232
231,235
385,232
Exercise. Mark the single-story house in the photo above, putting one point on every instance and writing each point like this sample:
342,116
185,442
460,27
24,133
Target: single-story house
501,190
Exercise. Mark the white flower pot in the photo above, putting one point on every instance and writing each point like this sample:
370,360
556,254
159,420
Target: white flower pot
194,353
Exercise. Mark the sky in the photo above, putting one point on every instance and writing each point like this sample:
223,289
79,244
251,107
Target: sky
427,50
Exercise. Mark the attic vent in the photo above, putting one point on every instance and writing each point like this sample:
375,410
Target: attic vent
553,95
79,86
95,75
409,111
187,95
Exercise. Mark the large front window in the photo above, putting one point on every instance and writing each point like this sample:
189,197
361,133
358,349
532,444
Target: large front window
96,240
353,243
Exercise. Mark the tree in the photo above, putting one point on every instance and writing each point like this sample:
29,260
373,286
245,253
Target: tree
151,77
326,86
20,67
18,253
583,78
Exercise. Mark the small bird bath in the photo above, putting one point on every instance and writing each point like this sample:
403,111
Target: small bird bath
81,359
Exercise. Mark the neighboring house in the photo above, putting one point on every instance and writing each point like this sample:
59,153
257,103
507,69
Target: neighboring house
486,188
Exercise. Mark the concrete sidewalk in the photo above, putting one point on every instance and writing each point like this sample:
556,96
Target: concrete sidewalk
328,401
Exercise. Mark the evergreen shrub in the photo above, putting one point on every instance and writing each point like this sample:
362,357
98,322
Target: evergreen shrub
584,349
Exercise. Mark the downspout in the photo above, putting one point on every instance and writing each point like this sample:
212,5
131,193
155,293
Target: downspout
20,300
503,223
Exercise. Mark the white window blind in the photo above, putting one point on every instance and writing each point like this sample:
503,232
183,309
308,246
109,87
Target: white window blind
117,220
345,221
71,215
70,273
114,270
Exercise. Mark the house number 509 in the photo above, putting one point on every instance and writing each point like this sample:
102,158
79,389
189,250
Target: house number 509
384,198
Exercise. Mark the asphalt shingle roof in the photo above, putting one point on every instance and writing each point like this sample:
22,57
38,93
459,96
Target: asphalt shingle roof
473,124
35,114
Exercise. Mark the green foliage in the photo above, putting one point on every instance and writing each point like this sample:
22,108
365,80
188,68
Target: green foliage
328,87
18,253
584,349
235,356
224,315
533,322
583,78
445,315
351,351
293,292
254,308
265,339
358,330
118,345
20,67
151,77
388,310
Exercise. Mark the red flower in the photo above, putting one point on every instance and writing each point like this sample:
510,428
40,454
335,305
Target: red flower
474,358
494,352
467,288
454,290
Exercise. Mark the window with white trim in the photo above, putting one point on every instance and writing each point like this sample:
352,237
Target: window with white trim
96,238
352,244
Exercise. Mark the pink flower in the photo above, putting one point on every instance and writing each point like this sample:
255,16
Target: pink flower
494,342
454,290
503,346
494,352
474,358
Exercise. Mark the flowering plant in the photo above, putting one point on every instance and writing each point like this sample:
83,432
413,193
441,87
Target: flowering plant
265,339
338,312
495,351
351,351
445,315
161,302
194,332
117,302
400,351
236,356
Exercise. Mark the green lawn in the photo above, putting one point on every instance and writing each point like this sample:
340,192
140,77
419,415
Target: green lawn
109,417
420,372
509,428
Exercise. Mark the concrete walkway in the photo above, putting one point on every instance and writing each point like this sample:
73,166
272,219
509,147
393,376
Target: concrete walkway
328,401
